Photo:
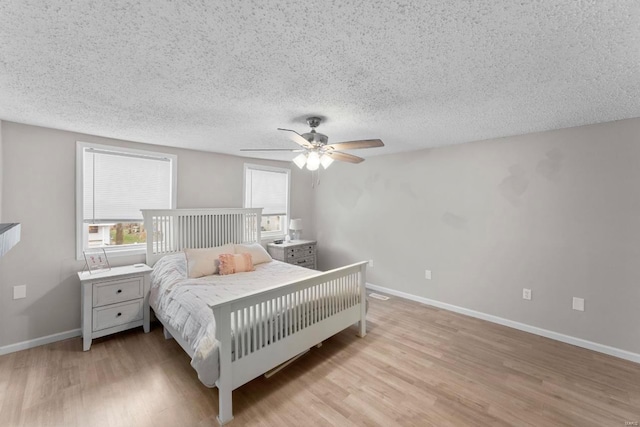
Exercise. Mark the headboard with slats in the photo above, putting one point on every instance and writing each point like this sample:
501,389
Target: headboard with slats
172,230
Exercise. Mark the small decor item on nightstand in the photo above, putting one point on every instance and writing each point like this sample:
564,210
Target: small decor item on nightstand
96,260
295,226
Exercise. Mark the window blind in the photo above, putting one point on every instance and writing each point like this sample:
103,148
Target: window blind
117,185
267,190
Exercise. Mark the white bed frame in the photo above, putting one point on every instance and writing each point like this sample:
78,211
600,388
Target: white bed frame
276,324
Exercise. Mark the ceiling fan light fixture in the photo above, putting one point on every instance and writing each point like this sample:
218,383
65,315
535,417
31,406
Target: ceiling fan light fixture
316,149
326,161
313,161
300,160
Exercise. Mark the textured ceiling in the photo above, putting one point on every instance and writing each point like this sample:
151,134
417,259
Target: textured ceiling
221,75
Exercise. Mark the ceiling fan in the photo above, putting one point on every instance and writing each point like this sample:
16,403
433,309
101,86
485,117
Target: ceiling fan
315,151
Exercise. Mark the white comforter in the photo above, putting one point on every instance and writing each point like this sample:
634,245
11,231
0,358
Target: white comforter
182,303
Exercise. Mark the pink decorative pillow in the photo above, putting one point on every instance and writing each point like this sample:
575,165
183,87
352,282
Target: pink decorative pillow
235,263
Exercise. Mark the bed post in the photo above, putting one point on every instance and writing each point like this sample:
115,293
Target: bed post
222,315
362,324
148,227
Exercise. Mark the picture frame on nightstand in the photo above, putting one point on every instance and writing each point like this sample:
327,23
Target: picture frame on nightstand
96,260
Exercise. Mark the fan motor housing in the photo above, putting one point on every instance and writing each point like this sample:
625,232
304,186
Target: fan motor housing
316,138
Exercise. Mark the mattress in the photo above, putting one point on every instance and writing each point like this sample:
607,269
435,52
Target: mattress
183,303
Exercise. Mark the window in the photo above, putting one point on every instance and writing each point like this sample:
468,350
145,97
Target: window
112,185
268,188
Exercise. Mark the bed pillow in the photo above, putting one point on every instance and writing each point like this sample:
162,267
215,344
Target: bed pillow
235,263
257,252
204,262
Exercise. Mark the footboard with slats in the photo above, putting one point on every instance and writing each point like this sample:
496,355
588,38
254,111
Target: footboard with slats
258,332
262,330
258,322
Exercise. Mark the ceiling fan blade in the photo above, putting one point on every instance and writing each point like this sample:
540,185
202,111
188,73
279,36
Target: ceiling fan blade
292,150
352,145
344,157
297,138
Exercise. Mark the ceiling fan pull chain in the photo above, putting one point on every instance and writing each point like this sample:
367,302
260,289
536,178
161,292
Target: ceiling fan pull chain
315,178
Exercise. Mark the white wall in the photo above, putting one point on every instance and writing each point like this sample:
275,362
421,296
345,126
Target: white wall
39,192
557,212
1,169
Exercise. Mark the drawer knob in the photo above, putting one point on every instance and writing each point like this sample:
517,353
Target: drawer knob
119,314
119,291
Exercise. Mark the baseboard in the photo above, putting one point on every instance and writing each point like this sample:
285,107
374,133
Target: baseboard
579,342
12,348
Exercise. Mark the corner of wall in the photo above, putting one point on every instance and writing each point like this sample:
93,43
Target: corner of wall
1,169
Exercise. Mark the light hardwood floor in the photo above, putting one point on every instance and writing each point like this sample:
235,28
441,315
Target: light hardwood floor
417,366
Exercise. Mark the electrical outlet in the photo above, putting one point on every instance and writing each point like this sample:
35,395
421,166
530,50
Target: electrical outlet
370,265
526,293
20,292
578,304
427,274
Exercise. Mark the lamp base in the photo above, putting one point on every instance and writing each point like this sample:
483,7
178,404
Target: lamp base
295,235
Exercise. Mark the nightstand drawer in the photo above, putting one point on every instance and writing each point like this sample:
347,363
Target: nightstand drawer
308,262
117,314
304,252
117,291
301,249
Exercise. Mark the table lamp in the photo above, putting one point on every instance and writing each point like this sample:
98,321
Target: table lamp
295,226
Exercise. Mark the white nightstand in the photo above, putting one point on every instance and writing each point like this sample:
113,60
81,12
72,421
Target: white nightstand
114,300
298,252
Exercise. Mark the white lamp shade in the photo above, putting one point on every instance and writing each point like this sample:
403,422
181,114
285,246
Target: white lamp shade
300,160
295,224
313,161
326,161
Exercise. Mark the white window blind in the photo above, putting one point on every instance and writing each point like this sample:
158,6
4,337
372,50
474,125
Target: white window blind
116,185
268,189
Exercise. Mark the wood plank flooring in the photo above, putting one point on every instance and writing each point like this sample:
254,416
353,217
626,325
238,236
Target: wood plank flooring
418,366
